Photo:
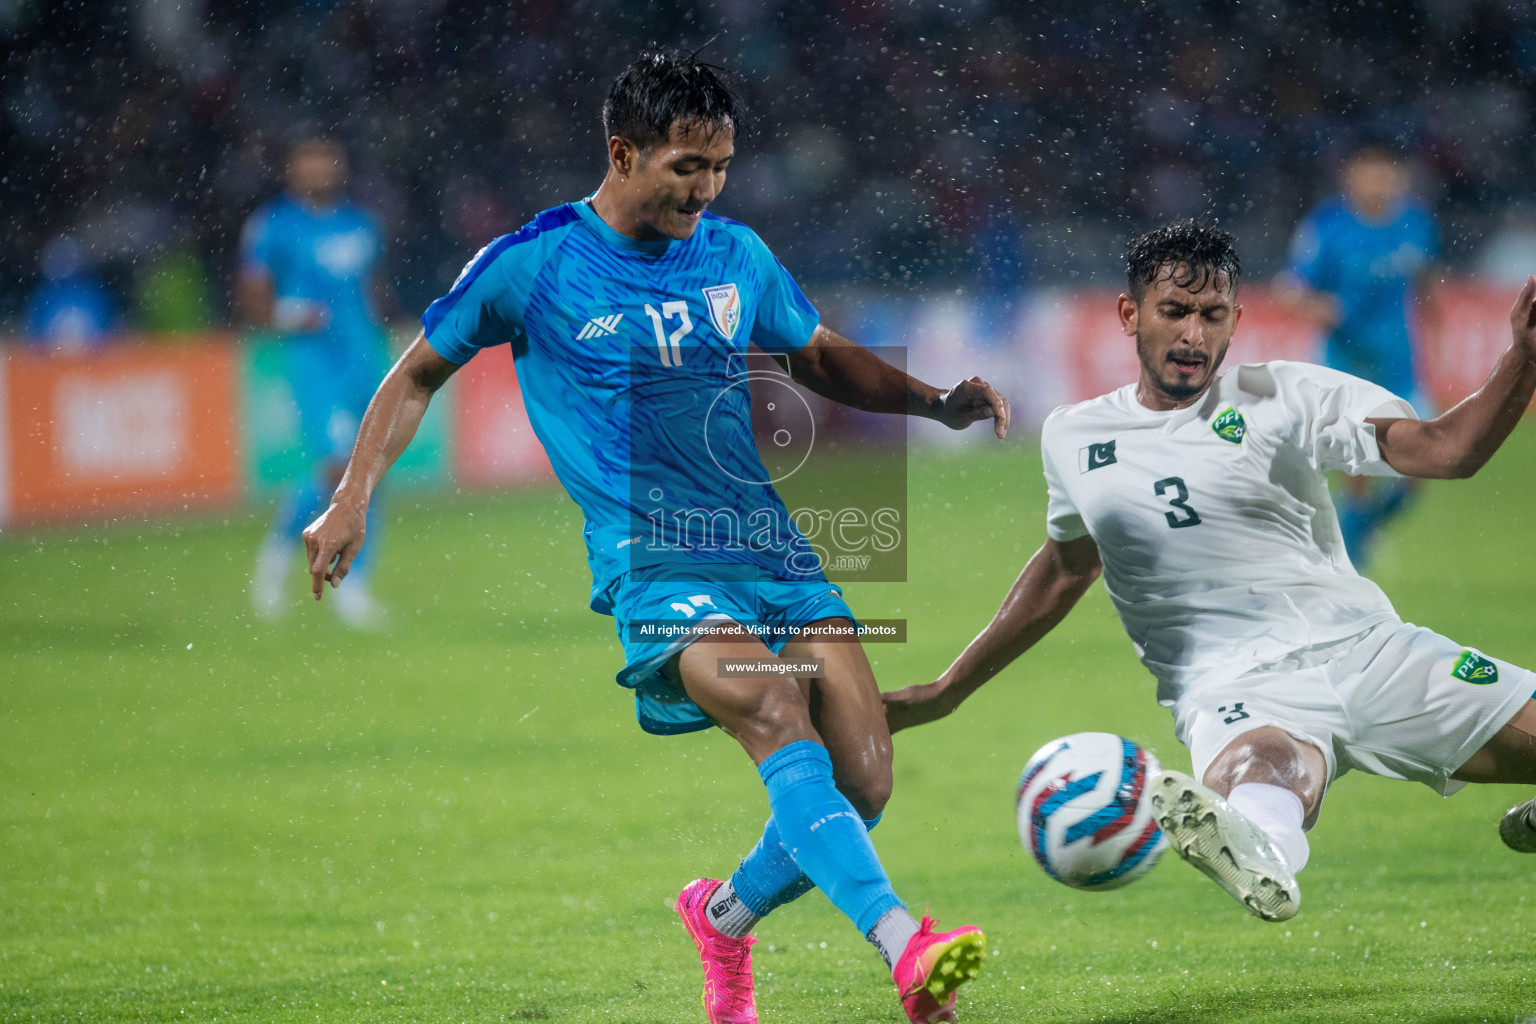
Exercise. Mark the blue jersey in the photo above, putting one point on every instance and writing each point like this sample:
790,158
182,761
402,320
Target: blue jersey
322,257
630,356
73,314
1370,267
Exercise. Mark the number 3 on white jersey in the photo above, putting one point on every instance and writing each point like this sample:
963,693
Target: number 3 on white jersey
676,308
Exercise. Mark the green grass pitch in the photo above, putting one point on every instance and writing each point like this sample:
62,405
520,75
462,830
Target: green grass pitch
204,817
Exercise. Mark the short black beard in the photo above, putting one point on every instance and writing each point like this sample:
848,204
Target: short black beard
1180,392
1177,392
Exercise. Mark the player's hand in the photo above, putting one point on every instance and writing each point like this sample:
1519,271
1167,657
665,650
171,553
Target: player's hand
972,400
1522,319
300,316
916,705
331,543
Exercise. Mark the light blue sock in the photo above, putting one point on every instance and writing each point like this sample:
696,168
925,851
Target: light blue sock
824,834
768,877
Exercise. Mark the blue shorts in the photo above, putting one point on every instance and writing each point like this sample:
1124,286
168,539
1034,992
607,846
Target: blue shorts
676,603
332,393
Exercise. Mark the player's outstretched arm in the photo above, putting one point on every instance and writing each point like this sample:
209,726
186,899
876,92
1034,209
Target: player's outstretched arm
1051,583
847,372
333,540
1459,442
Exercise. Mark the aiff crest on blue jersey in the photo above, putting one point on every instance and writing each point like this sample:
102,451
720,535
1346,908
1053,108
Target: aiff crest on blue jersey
724,309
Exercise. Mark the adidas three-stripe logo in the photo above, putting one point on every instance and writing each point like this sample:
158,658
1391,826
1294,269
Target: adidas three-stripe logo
601,325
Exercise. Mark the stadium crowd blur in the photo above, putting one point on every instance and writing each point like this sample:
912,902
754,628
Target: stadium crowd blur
974,143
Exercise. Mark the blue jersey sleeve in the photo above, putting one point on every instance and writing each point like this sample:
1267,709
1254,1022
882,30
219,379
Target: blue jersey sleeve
480,310
485,306
785,317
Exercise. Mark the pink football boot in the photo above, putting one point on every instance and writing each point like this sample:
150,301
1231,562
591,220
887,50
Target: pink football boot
727,962
933,966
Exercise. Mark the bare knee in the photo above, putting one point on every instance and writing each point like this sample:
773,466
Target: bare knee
1274,757
867,785
860,748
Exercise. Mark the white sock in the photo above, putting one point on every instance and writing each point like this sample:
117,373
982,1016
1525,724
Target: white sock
273,560
1278,813
275,556
891,934
728,914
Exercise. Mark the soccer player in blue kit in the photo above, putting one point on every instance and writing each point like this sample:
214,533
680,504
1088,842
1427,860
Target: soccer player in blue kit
625,313
311,270
1358,261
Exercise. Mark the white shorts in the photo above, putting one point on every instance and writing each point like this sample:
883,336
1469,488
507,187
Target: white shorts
1396,700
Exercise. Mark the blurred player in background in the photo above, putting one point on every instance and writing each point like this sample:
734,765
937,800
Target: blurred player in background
311,270
625,312
72,309
1358,264
1201,499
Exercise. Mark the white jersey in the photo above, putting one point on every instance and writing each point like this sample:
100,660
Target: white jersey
1220,544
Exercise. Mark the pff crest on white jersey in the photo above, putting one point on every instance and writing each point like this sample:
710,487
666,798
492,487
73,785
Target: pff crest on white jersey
1220,544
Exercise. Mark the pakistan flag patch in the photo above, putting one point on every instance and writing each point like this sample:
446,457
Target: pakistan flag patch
1229,426
1473,668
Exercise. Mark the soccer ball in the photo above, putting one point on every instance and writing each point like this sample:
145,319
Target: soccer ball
1083,813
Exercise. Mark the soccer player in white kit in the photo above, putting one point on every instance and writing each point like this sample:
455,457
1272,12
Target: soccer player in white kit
1200,498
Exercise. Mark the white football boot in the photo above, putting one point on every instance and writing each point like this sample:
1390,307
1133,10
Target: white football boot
1518,827
1205,830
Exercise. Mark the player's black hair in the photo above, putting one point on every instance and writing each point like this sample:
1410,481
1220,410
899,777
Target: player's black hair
1193,251
662,88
